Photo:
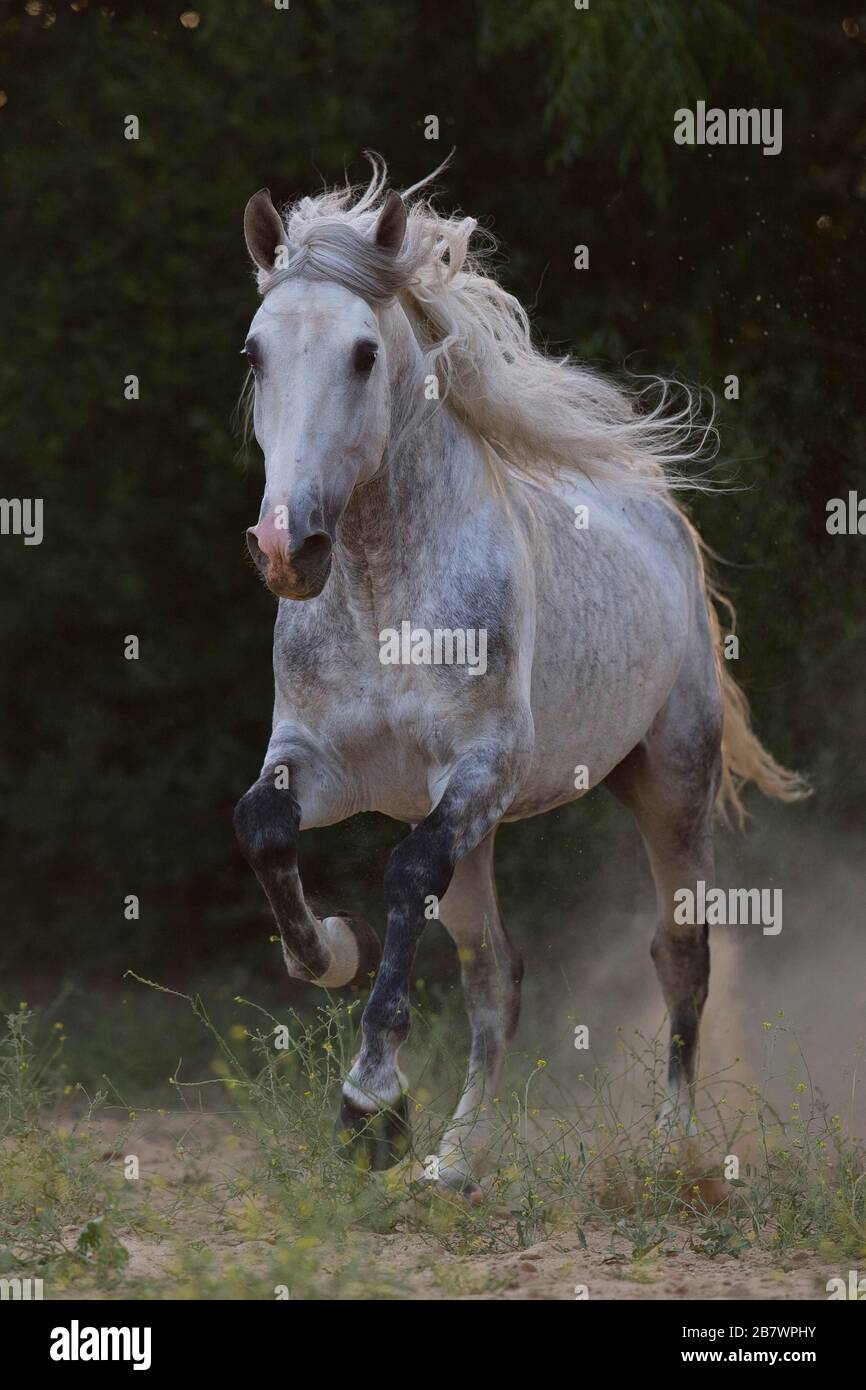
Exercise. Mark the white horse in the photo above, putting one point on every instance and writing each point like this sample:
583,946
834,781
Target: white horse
433,483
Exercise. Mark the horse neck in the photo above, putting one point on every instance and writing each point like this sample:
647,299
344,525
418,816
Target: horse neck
412,508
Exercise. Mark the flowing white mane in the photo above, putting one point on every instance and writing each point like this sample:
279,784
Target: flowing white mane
536,413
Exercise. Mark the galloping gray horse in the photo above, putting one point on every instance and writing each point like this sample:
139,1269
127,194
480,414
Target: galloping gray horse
489,604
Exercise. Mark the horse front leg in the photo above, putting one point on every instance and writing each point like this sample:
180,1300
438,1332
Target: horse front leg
339,950
373,1121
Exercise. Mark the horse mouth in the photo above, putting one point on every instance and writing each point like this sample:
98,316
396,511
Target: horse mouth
285,582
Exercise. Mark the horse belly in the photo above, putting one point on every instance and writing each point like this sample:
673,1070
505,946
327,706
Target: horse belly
577,745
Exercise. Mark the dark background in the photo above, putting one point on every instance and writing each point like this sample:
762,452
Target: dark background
127,257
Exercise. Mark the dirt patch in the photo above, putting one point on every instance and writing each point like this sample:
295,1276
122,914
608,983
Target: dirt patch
190,1170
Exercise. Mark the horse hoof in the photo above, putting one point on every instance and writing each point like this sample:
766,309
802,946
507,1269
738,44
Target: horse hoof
369,950
461,1186
374,1141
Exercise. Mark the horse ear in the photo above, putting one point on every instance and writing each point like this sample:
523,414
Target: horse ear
263,229
391,226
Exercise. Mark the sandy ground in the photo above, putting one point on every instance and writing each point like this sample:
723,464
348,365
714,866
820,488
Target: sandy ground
179,1156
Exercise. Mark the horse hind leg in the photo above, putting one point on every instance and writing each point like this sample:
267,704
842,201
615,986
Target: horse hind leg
491,971
670,783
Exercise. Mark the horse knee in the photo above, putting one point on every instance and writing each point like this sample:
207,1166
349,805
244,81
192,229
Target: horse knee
267,823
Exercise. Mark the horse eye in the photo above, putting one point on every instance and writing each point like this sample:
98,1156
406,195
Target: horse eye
364,355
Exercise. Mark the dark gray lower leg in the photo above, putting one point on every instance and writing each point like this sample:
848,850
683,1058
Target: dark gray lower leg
338,951
479,790
682,964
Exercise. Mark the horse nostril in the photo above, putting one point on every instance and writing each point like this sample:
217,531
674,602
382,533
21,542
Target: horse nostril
258,556
313,553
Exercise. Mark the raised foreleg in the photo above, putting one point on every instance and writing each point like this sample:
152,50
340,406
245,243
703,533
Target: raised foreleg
340,950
